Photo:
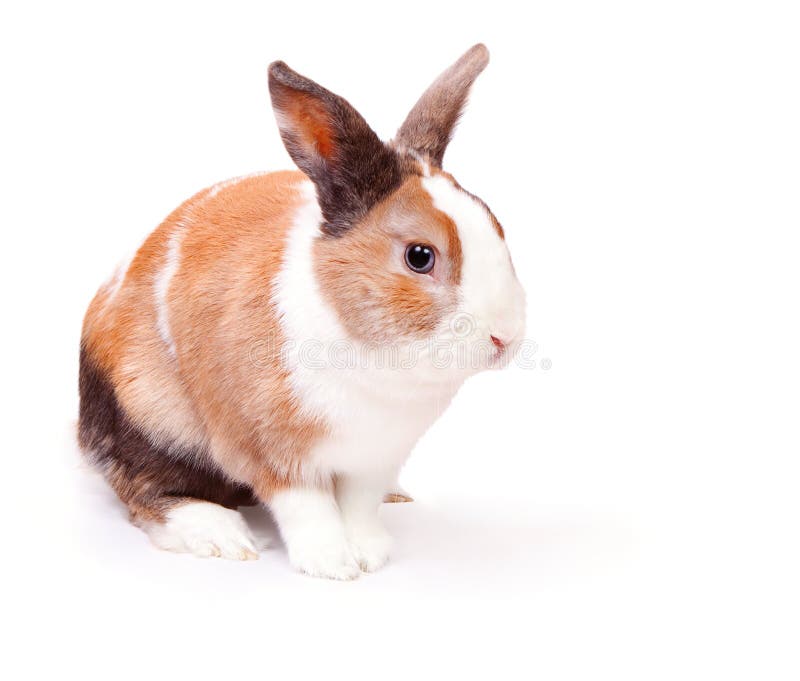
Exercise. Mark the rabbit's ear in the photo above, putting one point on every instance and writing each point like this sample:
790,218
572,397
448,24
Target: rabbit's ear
332,144
429,126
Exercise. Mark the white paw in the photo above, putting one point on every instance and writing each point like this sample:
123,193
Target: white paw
370,547
204,529
332,560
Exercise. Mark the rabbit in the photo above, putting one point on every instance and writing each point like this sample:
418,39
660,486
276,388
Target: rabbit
282,338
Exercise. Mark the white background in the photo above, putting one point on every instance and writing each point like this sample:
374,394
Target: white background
630,513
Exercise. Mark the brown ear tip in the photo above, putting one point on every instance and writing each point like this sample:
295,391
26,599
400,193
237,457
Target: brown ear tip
480,53
281,74
481,49
278,70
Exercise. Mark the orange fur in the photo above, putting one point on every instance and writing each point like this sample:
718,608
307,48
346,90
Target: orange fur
121,335
311,121
222,311
215,392
363,276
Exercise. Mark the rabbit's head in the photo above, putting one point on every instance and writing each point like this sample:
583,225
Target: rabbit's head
405,253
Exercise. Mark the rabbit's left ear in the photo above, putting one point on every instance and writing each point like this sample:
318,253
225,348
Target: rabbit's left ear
429,126
332,144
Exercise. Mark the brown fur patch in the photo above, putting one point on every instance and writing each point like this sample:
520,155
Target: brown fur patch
149,479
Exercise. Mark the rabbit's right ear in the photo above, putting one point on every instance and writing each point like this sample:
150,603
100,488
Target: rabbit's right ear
429,126
332,144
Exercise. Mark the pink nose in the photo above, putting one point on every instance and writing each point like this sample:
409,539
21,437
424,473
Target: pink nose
500,345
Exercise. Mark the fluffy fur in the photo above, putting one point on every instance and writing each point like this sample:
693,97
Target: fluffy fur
268,342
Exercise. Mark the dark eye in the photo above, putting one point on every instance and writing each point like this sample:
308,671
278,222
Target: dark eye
420,258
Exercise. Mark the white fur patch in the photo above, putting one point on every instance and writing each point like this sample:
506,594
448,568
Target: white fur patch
334,379
162,283
490,292
204,529
313,532
307,321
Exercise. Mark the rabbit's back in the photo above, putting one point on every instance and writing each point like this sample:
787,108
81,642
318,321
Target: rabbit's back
187,335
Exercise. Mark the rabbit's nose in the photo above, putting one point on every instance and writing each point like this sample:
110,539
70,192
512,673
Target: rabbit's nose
498,343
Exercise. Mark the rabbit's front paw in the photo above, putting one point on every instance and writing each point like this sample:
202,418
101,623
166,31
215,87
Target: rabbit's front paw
330,560
370,546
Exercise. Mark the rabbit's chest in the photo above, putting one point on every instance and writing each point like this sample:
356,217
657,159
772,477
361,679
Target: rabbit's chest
375,430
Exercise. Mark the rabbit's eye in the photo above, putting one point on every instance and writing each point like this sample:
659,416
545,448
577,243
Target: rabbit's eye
419,258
